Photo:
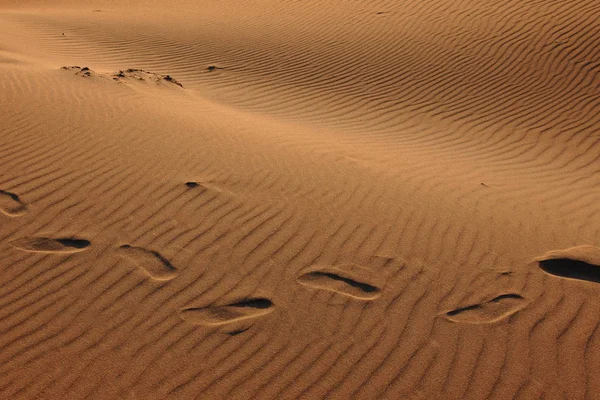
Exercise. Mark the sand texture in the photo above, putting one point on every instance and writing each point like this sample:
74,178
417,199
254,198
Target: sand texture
320,199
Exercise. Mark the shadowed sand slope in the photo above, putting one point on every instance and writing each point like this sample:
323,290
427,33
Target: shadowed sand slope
279,199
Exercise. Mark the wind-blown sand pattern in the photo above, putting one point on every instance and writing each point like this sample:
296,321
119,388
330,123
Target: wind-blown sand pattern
413,187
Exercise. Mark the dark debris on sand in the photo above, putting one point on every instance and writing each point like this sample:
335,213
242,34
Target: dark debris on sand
142,75
132,73
81,71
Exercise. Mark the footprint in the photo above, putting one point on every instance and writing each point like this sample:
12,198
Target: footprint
228,314
494,310
581,262
201,187
151,262
206,186
11,204
347,279
51,245
237,332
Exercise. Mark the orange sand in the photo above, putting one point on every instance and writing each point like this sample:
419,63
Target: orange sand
314,199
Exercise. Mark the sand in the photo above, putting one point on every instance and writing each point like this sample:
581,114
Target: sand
279,199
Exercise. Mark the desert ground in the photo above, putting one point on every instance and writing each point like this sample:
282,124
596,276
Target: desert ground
280,199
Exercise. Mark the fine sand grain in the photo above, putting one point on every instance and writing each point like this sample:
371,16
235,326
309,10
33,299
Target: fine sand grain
313,199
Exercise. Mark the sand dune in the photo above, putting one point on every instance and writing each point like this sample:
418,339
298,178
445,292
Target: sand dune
282,199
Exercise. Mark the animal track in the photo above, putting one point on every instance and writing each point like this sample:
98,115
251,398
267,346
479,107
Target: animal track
581,262
50,245
228,314
151,262
348,279
11,204
494,310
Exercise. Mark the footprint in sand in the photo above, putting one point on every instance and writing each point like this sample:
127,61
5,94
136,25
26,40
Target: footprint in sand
581,263
50,245
151,262
346,279
11,204
494,310
230,314
202,187
199,187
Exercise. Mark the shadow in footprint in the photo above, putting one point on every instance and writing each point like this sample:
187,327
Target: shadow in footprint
202,187
50,245
494,310
349,280
581,263
151,262
11,204
228,314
